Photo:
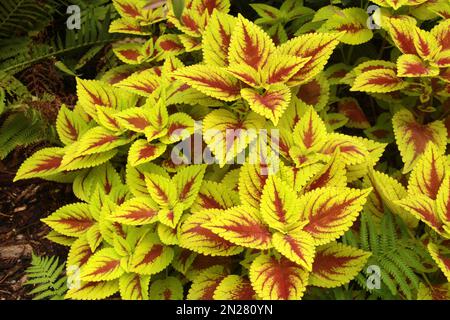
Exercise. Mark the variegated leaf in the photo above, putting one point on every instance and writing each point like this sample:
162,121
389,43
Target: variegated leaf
331,211
241,225
412,137
336,264
194,236
277,279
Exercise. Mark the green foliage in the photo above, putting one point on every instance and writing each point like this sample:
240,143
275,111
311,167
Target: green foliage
355,179
46,274
401,258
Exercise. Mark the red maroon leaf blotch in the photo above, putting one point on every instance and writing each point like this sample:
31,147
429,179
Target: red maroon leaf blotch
325,265
129,9
310,92
48,164
77,224
280,272
152,255
147,152
170,45
130,54
107,267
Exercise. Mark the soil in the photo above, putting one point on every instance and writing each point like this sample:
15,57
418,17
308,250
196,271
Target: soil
22,205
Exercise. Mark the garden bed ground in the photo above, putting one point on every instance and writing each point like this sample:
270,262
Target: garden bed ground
22,205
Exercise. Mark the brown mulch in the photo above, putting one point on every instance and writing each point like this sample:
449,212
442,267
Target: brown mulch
22,205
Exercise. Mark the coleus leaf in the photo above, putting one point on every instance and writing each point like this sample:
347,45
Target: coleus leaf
226,135
442,34
216,39
104,265
135,52
104,176
252,178
144,12
194,236
351,21
297,245
79,253
410,65
97,140
168,45
281,68
234,287
402,33
94,92
443,204
206,283
59,238
190,43
69,125
142,152
386,192
278,204
93,290
43,163
135,119
161,189
150,256
366,66
440,256
110,229
428,173
426,44
71,161
379,80
137,211
434,292
167,235
107,118
169,288
310,132
352,150
249,45
210,80
213,195
271,103
331,211
423,209
336,264
72,220
268,13
143,83
135,177
315,92
350,108
179,127
191,22
188,182
134,286
94,237
412,137
128,26
316,46
277,279
241,225
333,174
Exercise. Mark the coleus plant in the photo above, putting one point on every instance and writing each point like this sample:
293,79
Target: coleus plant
151,224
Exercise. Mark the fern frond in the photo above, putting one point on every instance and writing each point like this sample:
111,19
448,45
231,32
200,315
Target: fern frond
93,33
22,16
47,276
18,130
400,257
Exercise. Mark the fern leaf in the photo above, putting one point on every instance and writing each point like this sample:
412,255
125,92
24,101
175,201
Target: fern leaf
47,277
